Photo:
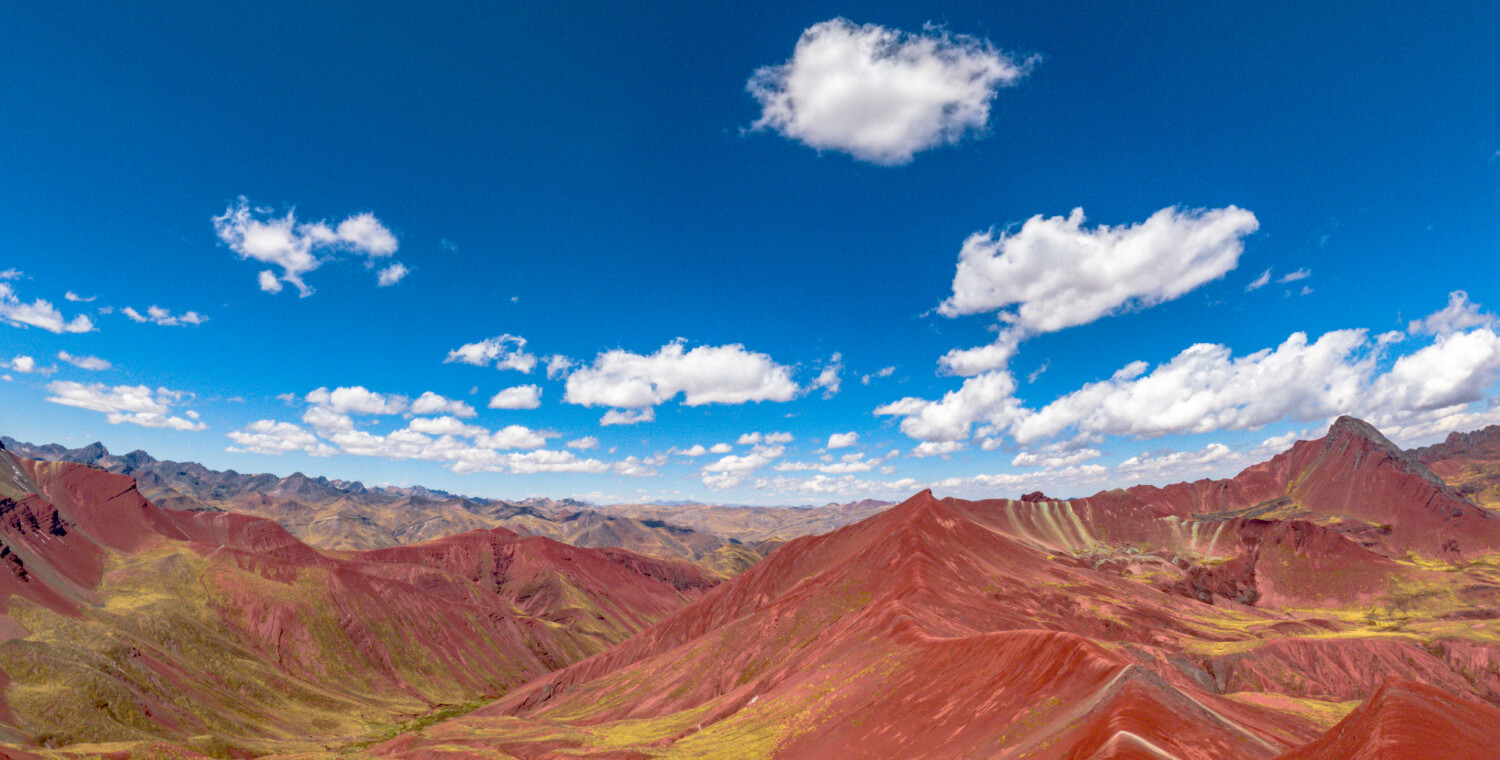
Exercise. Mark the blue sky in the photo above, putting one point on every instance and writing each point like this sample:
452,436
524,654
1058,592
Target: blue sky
702,206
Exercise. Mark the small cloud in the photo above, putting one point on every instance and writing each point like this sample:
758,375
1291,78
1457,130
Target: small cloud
1259,282
158,315
628,416
71,296
1300,274
842,440
92,363
519,397
584,443
392,274
883,372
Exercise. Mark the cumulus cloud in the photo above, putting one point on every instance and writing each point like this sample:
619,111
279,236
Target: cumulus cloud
92,363
357,399
504,351
137,405
824,486
937,448
842,440
1054,457
38,313
1459,314
732,470
391,274
27,365
157,315
828,377
271,437
704,375
628,416
882,95
1206,388
432,403
295,247
558,365
585,443
519,397
1053,273
750,439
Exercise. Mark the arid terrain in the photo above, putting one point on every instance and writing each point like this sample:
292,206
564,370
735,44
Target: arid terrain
1341,600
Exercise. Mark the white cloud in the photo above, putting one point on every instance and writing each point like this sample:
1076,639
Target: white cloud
505,351
27,365
284,243
627,416
1300,274
1054,457
1053,274
71,296
432,403
705,375
558,365
446,425
1459,314
988,397
732,469
842,440
750,439
357,399
883,372
392,274
635,467
1206,388
1259,282
720,448
11,274
849,463
585,443
271,437
327,421
158,315
882,95
828,378
92,363
937,448
696,450
519,397
138,405
847,485
38,313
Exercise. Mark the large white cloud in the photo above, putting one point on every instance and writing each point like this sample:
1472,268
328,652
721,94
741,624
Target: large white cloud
1206,388
295,247
504,351
1053,273
704,375
38,313
135,404
882,95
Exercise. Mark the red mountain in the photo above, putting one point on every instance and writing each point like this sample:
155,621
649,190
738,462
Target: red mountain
1160,623
127,622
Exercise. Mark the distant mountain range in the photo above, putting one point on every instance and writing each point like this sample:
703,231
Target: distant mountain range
345,515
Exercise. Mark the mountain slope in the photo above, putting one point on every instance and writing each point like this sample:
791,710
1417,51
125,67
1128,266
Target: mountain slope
126,622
